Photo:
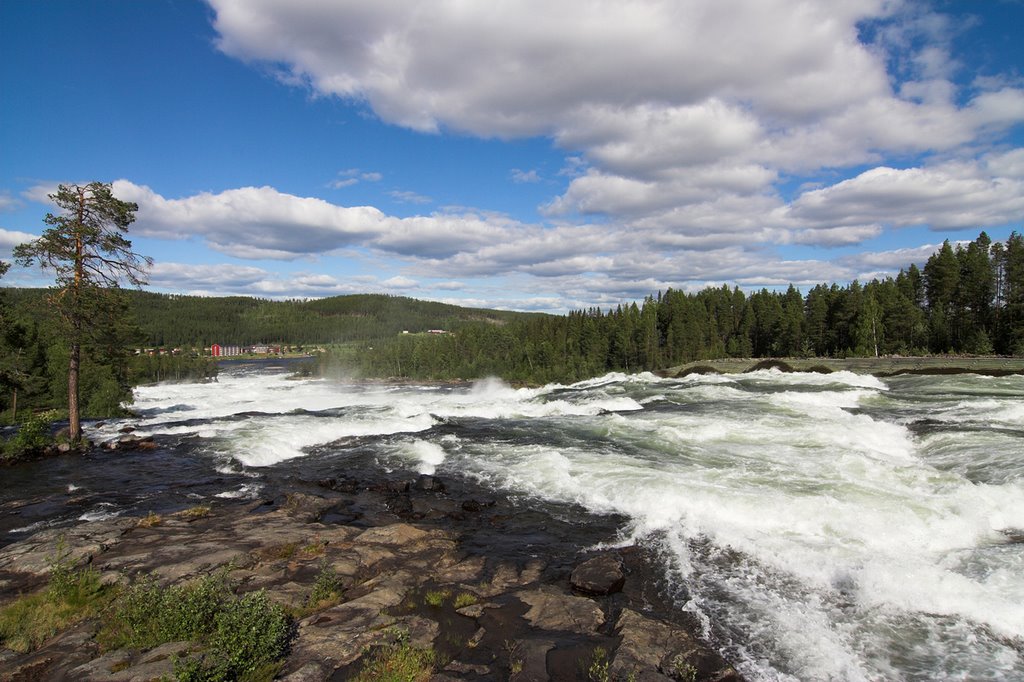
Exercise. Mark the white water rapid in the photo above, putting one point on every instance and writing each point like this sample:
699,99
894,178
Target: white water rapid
831,527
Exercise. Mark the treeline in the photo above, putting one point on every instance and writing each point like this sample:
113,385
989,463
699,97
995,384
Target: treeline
171,320
34,361
967,299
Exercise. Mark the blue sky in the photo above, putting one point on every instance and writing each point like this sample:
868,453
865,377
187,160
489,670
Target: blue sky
528,155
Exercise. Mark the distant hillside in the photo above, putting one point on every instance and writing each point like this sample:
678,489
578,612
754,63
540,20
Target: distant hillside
175,320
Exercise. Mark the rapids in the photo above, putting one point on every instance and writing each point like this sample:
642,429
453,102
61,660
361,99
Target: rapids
823,526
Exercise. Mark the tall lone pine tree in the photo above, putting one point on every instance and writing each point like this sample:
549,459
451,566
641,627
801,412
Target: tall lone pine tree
90,257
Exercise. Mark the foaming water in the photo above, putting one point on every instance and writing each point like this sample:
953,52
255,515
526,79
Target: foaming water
826,526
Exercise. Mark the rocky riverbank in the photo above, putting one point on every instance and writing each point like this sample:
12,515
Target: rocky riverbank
438,565
883,366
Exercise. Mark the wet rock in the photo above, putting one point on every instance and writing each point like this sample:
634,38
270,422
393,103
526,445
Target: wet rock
340,485
310,672
599,576
130,443
552,610
308,507
528,660
652,647
391,487
401,505
395,534
430,484
524,624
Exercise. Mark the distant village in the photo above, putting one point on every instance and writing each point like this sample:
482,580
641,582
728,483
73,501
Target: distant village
224,351
218,350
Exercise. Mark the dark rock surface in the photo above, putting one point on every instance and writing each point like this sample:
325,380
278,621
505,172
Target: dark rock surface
507,607
599,576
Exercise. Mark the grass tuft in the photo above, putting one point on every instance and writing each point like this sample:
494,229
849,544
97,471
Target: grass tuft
436,598
398,662
464,599
199,512
72,595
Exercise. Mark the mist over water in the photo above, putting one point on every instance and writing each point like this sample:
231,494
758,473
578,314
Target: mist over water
827,526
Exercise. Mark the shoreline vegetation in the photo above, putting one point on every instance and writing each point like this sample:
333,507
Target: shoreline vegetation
880,367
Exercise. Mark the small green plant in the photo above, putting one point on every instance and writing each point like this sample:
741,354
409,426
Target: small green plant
464,599
150,520
436,598
327,588
515,661
599,664
398,662
72,595
280,552
315,548
198,512
682,670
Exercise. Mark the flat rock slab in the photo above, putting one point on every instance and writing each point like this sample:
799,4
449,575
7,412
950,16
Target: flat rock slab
554,610
599,576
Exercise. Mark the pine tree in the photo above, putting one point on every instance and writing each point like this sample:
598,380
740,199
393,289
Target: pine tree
90,257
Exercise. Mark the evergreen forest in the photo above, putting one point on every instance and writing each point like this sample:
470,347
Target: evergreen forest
967,299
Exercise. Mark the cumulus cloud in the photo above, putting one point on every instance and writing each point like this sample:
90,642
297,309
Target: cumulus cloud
684,127
11,238
400,282
952,195
667,111
252,222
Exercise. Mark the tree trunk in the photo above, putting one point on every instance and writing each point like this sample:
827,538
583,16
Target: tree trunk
74,420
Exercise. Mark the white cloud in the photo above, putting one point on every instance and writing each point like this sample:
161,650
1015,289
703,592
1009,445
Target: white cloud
522,176
400,282
252,222
11,238
219,277
952,195
409,197
352,176
7,202
678,117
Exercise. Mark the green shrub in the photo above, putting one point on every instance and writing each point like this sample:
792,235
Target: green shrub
241,636
33,435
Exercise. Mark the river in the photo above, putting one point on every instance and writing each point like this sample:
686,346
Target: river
824,527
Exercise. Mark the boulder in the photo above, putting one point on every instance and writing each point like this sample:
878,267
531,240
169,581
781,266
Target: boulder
430,484
599,576
650,645
308,507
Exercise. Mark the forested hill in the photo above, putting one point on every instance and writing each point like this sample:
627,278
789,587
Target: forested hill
177,320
